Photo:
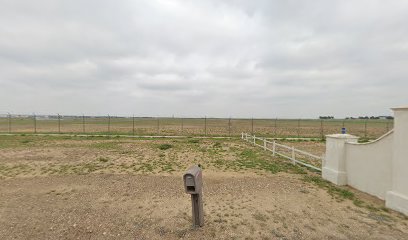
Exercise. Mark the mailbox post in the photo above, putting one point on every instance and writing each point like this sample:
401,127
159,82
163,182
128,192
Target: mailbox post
193,186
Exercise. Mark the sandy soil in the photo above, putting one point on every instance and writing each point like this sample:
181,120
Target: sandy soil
105,202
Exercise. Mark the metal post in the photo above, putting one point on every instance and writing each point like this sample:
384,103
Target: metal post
133,125
109,123
276,125
252,126
59,123
365,129
321,128
229,127
298,128
293,155
254,139
343,123
274,148
83,123
205,125
182,126
35,124
158,126
9,123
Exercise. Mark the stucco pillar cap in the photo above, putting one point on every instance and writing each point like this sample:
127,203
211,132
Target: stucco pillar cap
342,136
400,108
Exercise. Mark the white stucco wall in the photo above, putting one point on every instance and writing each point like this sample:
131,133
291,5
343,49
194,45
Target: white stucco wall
397,197
379,168
334,169
369,165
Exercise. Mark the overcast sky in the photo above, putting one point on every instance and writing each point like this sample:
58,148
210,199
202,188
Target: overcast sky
194,58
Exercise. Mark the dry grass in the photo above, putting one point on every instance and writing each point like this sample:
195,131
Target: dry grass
114,188
195,127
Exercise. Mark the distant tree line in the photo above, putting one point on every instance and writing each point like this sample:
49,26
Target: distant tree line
372,117
360,117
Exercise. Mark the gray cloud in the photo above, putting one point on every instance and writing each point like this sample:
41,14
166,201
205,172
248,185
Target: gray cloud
194,58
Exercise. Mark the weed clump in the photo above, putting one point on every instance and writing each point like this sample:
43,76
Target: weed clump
165,146
103,159
217,145
363,140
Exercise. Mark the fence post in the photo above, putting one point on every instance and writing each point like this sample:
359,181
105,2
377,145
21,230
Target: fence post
9,122
252,126
158,126
254,139
242,135
321,129
229,127
108,123
276,126
298,128
365,129
35,124
133,125
182,126
264,144
274,148
205,125
293,155
83,123
59,123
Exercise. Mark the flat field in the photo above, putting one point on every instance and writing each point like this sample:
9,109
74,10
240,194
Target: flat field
117,188
196,126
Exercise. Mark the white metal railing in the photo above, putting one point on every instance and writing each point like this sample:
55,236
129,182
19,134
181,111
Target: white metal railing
294,153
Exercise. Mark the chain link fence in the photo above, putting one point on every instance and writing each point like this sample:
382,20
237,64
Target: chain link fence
282,128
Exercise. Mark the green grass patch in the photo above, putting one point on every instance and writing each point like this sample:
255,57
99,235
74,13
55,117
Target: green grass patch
333,190
342,193
256,160
165,146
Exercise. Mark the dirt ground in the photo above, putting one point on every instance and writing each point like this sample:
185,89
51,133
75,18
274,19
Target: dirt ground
76,188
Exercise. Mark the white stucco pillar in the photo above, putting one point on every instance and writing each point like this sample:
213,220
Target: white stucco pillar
397,198
334,166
